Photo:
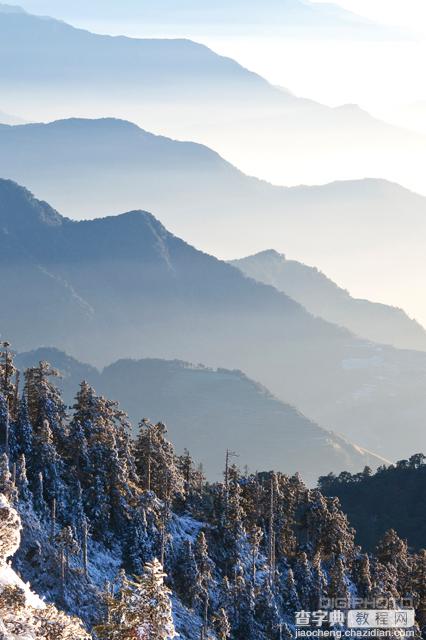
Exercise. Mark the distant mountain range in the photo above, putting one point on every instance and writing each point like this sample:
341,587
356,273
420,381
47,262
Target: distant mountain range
88,168
251,16
184,89
323,298
208,411
124,287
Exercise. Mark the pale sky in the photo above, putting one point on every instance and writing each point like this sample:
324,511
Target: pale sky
381,76
407,13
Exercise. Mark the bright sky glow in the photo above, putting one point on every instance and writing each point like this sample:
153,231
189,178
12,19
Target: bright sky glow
403,13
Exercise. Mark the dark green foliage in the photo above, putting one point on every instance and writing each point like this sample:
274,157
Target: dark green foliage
392,498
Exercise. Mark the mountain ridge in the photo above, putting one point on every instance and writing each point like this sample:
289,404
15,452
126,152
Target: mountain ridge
126,287
199,403
324,298
208,92
327,17
88,168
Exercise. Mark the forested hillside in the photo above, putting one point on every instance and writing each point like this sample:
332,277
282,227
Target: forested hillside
130,537
393,497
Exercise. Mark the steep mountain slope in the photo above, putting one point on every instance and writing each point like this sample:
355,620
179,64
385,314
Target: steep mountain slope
87,168
210,410
150,294
186,90
23,614
322,297
112,525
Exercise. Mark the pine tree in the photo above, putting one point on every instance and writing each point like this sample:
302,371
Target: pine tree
339,582
244,605
99,449
141,608
45,459
304,580
392,551
4,426
39,502
156,462
319,584
7,374
363,575
187,579
24,430
233,527
204,563
45,403
68,547
205,568
7,486
267,609
255,537
22,483
419,587
290,596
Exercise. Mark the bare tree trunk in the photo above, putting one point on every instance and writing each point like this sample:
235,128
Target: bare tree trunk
85,553
6,435
63,571
16,398
272,534
53,518
206,612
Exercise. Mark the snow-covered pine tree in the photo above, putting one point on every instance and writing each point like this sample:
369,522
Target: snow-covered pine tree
22,483
268,610
156,463
7,486
304,580
23,430
67,546
393,552
45,403
255,537
140,609
8,388
22,613
290,597
319,584
99,449
339,586
187,576
418,587
139,541
362,575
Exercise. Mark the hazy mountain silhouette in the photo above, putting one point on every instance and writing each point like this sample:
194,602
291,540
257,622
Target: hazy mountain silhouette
186,90
126,287
283,16
209,410
93,167
324,298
